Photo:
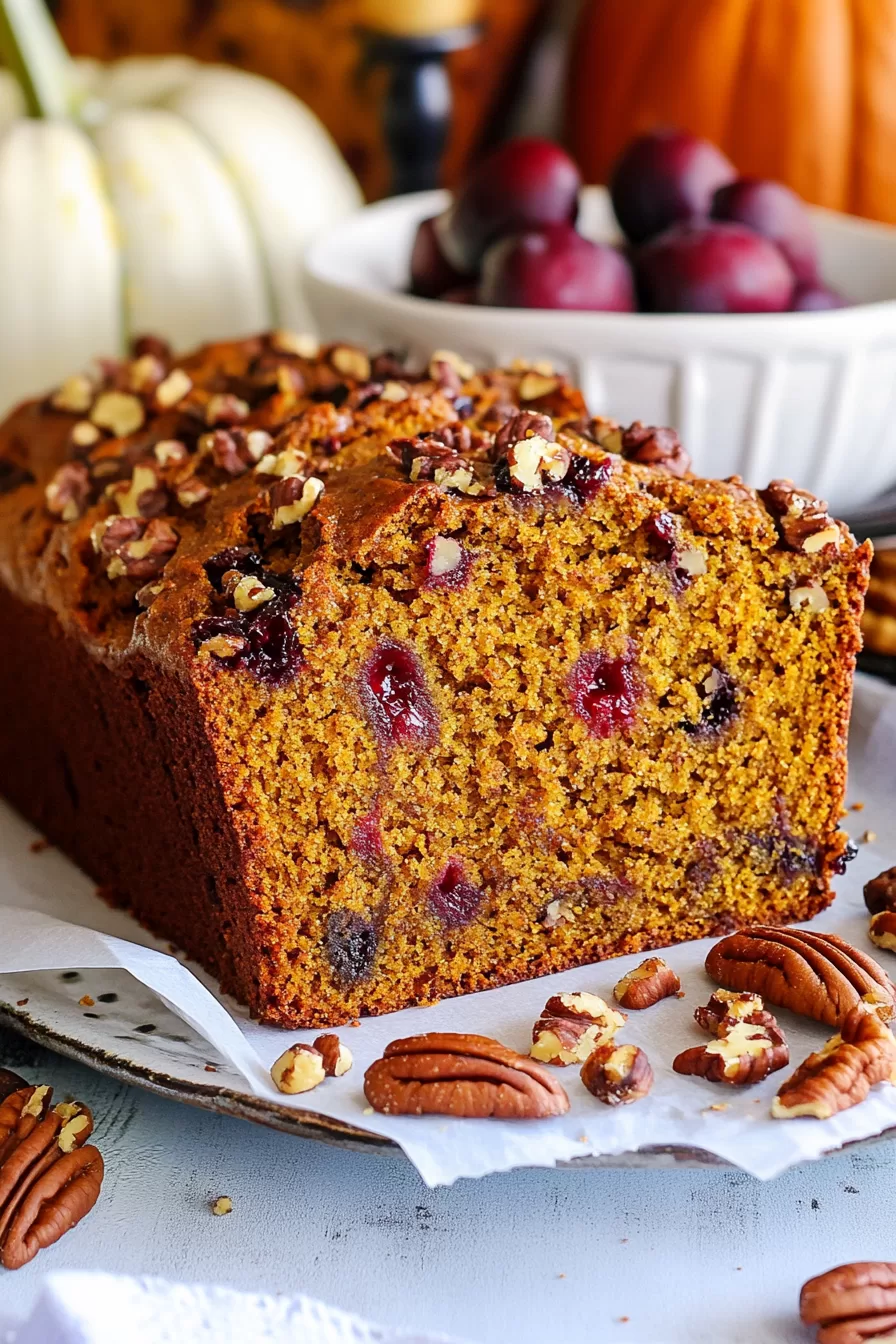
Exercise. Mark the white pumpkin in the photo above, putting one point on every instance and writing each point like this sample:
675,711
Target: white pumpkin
178,200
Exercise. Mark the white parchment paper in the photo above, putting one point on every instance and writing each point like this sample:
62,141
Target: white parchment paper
50,920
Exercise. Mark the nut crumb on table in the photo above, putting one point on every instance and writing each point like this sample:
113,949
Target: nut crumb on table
221,1206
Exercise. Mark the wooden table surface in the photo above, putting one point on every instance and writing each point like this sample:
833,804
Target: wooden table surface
645,1257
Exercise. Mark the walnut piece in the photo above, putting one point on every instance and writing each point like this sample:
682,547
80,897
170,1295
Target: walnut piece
68,491
336,1057
816,974
292,498
295,343
571,1026
647,984
451,1073
653,446
75,394
49,1179
534,384
526,444
298,1069
456,363
842,1072
726,1007
120,412
172,390
851,1303
745,1054
221,1206
880,892
350,362
617,1074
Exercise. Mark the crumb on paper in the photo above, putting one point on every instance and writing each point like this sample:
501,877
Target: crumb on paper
38,846
368,1110
211,1068
86,1001
622,1319
623,1241
717,1106
583,1138
561,1276
355,1022
20,1003
857,807
222,1205
869,837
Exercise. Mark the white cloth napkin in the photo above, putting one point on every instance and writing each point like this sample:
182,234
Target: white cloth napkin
78,1308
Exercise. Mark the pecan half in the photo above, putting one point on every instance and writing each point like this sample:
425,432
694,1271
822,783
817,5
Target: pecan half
816,974
728,1006
880,892
746,1053
571,1026
803,521
851,1303
450,1073
647,984
655,447
617,1074
842,1072
48,1179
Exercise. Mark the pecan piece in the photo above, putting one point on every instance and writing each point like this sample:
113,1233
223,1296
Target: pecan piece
729,1006
68,491
617,1074
746,1053
647,984
654,446
336,1057
48,1179
571,1026
451,1073
132,547
803,521
882,930
816,974
842,1072
299,1069
851,1303
880,892
527,456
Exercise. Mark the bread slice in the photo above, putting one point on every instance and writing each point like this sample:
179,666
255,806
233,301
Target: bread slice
367,689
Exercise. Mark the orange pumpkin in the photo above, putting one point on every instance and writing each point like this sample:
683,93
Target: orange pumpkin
799,90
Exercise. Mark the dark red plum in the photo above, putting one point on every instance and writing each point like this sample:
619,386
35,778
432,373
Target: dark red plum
665,177
816,298
556,267
431,272
709,267
524,184
778,214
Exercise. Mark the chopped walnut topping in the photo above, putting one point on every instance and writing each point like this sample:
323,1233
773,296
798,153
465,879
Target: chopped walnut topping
167,451
148,593
132,547
655,447
68,493
120,412
298,343
290,462
142,496
350,362
250,593
292,498
534,385
145,373
225,409
521,365
84,434
459,478
804,523
455,362
75,394
191,492
811,596
394,391
526,444
172,390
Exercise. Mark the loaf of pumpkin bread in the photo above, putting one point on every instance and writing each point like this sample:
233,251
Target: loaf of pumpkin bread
366,687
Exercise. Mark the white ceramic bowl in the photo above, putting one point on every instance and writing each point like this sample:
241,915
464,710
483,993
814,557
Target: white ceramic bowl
811,396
